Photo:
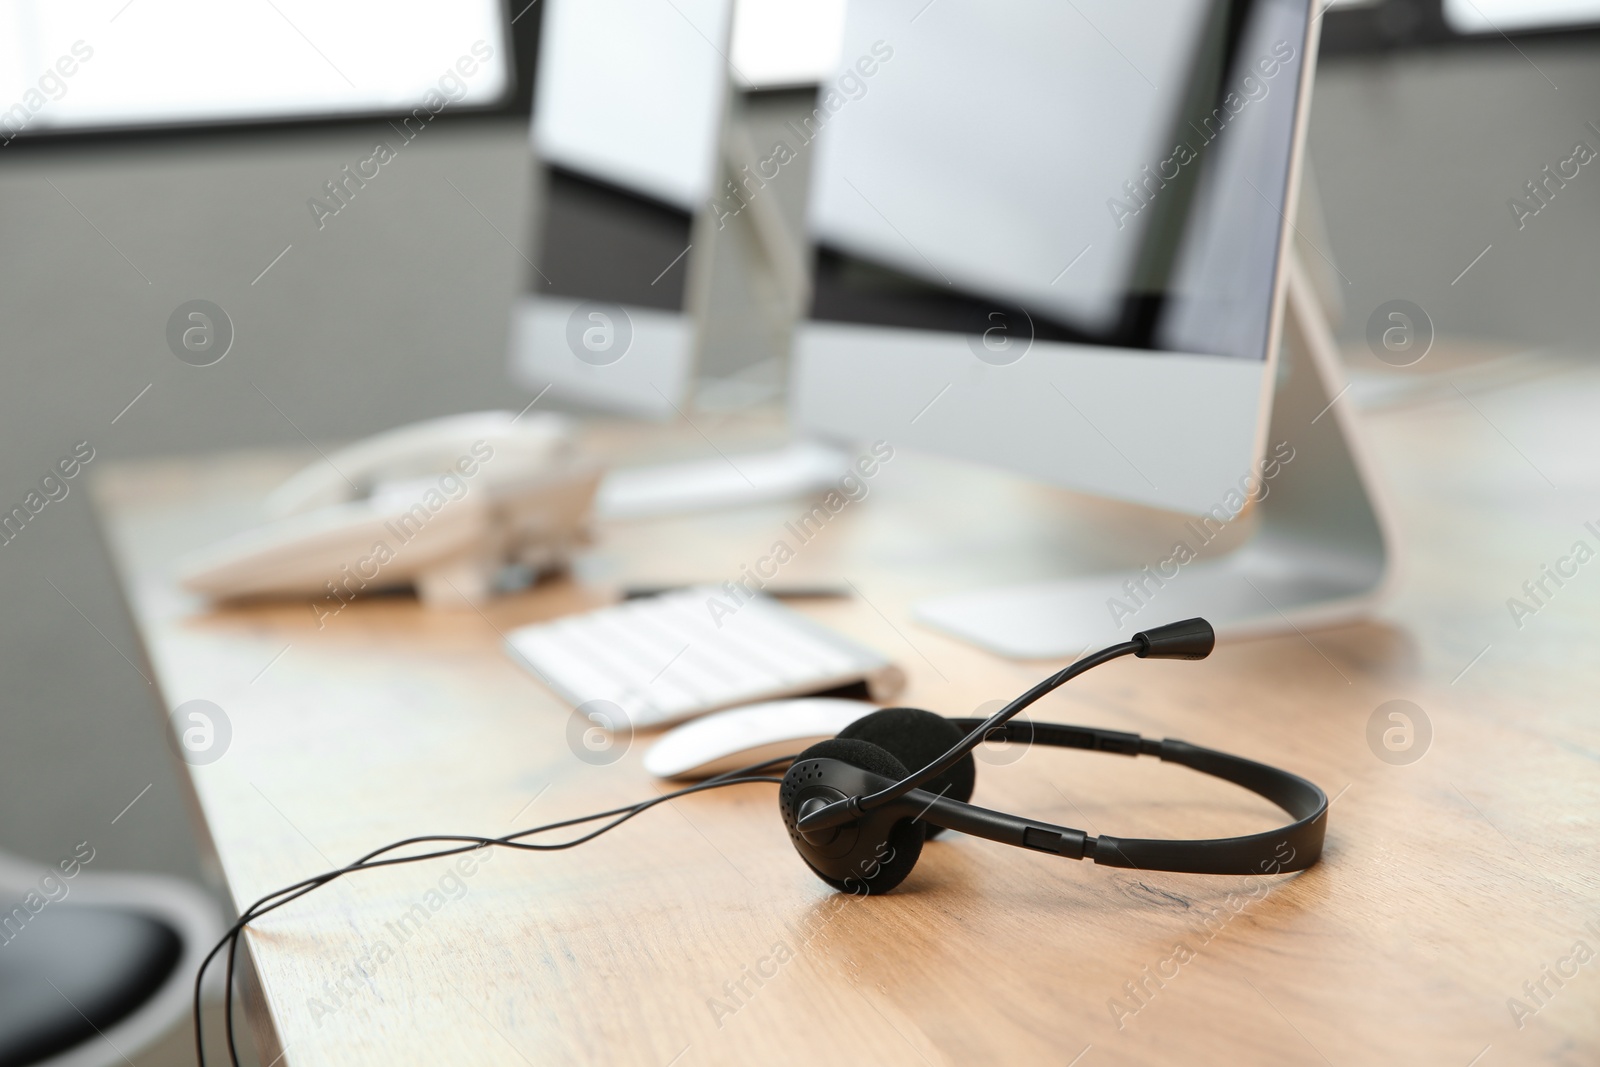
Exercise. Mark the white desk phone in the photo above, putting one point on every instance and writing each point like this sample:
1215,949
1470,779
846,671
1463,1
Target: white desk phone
445,505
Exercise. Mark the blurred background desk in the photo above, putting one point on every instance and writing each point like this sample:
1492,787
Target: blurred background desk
695,935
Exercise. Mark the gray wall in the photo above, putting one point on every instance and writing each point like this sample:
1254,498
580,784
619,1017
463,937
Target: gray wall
1416,157
397,309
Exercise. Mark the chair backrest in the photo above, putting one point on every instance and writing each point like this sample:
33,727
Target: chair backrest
146,918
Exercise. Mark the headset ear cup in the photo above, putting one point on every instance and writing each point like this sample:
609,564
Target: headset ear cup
916,738
890,861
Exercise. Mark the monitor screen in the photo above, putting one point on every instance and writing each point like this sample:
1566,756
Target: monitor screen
627,119
1103,172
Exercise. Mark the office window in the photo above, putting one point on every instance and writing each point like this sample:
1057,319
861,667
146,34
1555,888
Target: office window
121,63
785,43
1493,16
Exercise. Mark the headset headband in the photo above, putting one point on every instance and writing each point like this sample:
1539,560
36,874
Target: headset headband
1252,854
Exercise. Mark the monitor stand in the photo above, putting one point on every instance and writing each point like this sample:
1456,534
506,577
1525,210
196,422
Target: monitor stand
1322,552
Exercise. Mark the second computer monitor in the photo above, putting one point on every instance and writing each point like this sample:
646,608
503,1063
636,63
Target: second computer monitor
1051,237
627,124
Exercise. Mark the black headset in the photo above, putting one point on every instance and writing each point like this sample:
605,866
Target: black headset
859,820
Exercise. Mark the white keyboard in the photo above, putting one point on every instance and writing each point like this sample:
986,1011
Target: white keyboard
663,658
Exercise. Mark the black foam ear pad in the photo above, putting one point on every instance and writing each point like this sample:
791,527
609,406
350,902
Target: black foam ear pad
916,738
884,864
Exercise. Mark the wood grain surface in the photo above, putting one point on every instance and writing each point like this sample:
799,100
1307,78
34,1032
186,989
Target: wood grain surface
1453,888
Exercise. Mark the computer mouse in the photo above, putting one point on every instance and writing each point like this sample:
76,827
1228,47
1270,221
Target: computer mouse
738,737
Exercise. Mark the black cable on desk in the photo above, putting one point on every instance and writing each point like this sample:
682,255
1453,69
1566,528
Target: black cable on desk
280,897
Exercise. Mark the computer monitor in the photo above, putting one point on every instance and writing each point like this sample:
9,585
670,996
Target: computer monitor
1054,238
627,125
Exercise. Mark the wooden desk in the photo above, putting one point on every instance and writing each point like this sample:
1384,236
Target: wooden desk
695,935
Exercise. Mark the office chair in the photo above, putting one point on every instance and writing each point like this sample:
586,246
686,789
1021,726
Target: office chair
93,977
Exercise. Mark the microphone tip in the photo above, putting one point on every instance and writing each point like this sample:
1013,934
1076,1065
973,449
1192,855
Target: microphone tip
1189,639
